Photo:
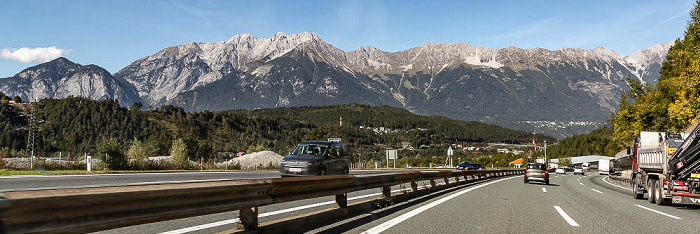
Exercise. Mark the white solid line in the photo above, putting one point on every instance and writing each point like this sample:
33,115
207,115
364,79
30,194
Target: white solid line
566,217
597,191
388,224
658,212
615,184
200,227
232,221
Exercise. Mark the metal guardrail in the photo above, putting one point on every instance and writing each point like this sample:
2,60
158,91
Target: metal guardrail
94,209
621,181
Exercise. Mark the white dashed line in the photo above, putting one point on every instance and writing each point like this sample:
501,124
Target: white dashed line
658,212
597,191
580,183
566,217
544,190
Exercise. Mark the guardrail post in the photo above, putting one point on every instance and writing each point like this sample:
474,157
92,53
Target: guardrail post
342,200
248,218
466,178
457,179
447,180
386,191
432,184
414,186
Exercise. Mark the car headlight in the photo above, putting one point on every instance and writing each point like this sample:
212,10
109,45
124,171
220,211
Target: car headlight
312,163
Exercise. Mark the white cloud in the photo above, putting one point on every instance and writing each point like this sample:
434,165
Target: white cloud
33,55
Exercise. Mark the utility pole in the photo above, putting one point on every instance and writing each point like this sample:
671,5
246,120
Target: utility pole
545,154
30,135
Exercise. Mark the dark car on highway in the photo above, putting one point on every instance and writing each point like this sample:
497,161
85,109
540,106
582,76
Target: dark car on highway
316,158
466,165
536,172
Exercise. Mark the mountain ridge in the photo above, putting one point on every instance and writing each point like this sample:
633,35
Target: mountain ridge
559,92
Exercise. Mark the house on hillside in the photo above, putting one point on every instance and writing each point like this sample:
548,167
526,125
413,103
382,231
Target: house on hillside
516,163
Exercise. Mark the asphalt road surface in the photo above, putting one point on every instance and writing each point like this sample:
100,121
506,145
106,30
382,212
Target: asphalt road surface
10,183
570,204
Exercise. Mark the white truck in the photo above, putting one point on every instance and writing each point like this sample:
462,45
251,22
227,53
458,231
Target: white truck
667,167
605,166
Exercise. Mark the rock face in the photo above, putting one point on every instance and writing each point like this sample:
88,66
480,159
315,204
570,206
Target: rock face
565,91
560,92
61,78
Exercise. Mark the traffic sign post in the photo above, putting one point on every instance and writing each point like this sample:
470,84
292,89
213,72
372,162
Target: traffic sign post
391,154
450,152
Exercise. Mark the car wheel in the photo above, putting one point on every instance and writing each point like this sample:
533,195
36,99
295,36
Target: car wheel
346,171
322,171
525,181
652,187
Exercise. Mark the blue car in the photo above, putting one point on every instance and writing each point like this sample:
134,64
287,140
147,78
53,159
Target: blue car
469,166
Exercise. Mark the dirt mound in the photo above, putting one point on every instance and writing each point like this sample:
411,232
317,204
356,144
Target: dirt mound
254,161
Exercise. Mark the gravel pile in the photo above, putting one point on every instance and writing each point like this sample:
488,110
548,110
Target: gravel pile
254,161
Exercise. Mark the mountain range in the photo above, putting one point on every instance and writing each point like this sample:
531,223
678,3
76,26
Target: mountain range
561,92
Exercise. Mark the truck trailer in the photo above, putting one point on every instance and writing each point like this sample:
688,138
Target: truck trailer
605,166
667,167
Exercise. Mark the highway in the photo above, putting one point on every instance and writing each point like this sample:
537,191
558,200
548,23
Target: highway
570,204
14,183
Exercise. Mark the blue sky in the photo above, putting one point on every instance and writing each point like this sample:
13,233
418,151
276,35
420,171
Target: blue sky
113,34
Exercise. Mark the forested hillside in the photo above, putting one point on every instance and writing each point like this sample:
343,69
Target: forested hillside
78,125
674,103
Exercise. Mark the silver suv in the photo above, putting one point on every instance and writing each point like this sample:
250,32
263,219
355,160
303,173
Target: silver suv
536,172
316,158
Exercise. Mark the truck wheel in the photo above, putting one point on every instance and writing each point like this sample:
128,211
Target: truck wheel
650,190
635,190
658,194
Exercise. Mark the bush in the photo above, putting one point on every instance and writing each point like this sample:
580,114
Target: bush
114,158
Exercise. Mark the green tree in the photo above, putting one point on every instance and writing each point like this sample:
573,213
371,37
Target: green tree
137,155
675,101
18,99
179,154
113,156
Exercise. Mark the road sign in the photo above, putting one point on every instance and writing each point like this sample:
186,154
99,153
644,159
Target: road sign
391,154
450,152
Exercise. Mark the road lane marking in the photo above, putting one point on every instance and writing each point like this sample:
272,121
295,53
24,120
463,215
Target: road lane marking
580,183
388,224
658,212
566,217
615,184
233,221
544,190
597,191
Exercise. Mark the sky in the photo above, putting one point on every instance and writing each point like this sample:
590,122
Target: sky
112,34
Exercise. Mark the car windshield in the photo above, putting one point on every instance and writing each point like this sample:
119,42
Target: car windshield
310,150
